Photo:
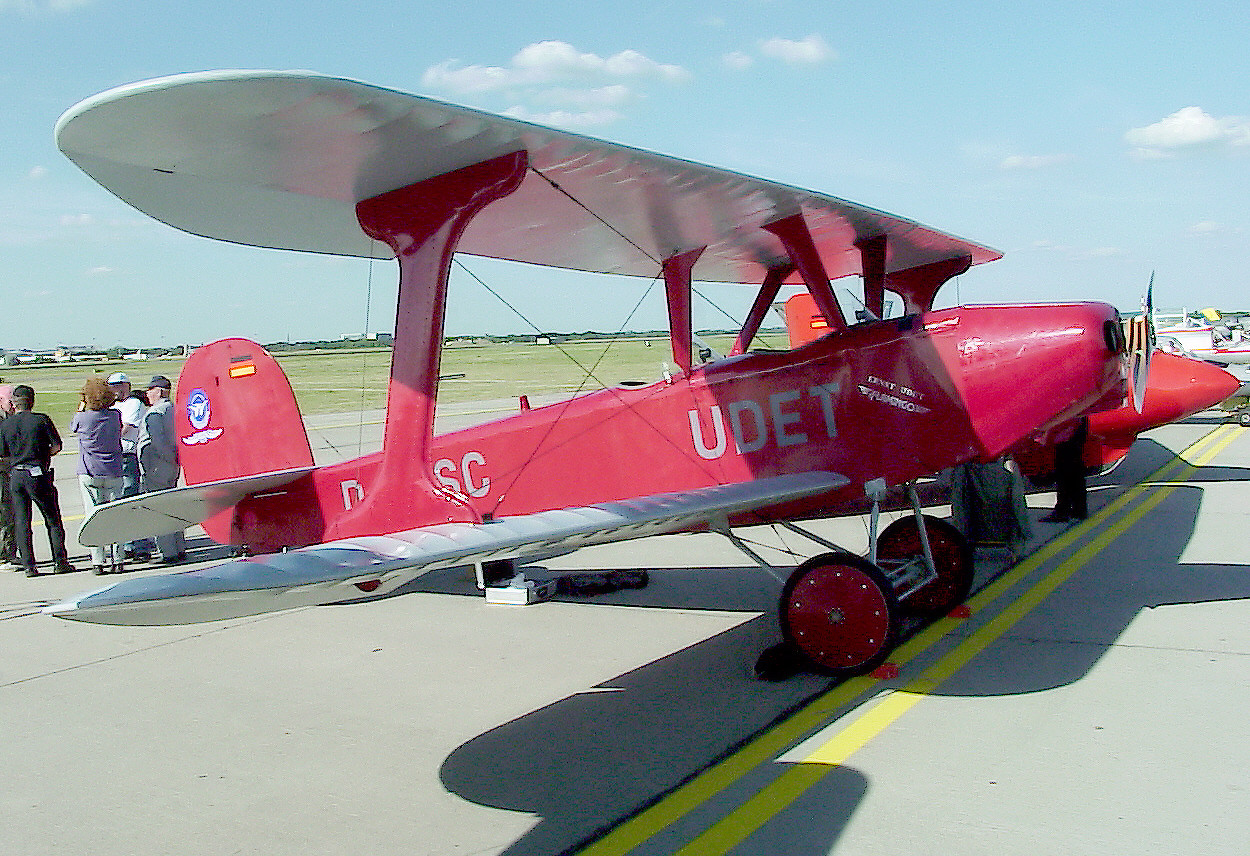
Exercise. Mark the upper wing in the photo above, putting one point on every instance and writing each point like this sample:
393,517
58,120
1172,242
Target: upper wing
358,567
279,159
173,509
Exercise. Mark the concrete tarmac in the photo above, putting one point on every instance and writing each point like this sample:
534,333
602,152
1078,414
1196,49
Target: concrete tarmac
1093,702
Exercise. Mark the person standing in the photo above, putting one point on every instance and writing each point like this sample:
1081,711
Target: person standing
131,410
28,440
8,544
158,459
99,428
1070,491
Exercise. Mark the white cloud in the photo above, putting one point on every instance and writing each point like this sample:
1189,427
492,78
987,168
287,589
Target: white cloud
1078,254
555,73
1206,227
1102,253
34,7
564,118
1013,162
100,270
1187,128
546,63
811,50
737,60
76,220
37,172
616,95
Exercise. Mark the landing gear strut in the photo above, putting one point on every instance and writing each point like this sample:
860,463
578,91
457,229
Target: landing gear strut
929,593
841,614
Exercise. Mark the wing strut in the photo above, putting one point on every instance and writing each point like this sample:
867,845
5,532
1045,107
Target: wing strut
763,301
795,237
918,285
872,255
422,223
677,284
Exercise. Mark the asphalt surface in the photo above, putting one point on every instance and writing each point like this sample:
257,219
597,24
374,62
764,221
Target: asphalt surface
1092,702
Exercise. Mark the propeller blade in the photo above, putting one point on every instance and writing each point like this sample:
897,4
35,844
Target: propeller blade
1140,334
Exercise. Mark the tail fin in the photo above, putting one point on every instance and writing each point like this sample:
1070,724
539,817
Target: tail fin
236,414
804,322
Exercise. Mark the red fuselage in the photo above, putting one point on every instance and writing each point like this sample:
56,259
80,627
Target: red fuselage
892,400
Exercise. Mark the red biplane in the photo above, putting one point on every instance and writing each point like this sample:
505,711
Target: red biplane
299,161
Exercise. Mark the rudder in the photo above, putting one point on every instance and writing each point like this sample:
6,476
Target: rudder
236,415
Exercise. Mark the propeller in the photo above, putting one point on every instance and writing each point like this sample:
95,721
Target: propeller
1140,334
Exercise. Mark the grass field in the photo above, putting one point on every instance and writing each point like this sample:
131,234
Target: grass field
337,382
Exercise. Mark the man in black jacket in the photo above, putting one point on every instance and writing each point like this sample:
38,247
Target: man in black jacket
27,443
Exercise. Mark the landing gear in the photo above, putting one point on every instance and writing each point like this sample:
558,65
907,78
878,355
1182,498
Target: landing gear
900,552
840,613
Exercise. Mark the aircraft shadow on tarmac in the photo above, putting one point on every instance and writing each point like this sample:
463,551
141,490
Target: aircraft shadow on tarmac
584,762
601,755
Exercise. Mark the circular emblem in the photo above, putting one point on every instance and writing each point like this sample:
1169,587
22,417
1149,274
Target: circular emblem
198,409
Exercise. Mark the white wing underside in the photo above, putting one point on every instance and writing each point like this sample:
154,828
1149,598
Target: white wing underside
331,572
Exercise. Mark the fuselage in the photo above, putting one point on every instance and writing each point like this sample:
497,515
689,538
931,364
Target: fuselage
890,401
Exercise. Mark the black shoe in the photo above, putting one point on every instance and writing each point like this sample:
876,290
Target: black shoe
64,568
31,572
119,568
98,570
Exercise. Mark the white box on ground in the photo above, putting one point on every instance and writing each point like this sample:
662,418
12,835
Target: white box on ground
521,591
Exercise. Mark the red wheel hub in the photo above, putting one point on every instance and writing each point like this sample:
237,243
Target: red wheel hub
838,616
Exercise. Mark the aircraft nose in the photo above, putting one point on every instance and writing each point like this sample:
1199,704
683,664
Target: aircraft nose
1181,386
1208,385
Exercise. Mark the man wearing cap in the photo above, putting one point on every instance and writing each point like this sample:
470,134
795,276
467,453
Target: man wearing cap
131,410
158,458
28,440
8,544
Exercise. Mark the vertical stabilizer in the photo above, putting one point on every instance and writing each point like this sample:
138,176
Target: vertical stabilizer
236,414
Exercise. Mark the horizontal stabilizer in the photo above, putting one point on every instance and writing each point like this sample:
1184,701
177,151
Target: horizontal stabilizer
165,511
373,565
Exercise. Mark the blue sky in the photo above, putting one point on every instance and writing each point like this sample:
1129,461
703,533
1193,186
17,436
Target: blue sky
1091,143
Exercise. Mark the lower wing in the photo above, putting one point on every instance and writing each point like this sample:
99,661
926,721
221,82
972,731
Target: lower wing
373,565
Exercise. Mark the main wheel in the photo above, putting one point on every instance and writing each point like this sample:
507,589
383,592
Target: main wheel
840,613
952,559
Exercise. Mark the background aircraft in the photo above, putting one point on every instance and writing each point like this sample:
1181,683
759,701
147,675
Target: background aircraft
1216,338
294,160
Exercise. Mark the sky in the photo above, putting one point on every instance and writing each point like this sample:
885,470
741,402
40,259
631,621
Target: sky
1092,143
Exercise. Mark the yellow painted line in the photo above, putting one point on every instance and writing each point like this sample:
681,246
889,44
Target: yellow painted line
767,746
793,783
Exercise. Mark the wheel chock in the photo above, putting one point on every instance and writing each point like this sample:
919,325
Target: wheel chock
885,672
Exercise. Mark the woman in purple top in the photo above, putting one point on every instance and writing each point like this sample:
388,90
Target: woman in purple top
99,430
